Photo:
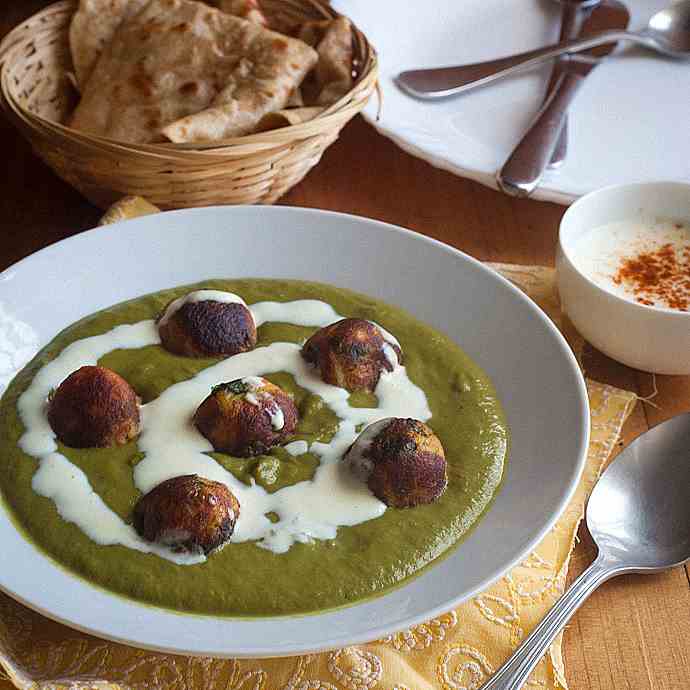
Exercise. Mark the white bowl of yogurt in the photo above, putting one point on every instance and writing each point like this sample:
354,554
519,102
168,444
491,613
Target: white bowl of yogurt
623,268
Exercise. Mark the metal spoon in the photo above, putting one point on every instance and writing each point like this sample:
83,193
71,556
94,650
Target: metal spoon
639,517
668,33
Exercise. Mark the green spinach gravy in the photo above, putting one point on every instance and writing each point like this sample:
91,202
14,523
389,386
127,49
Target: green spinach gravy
243,580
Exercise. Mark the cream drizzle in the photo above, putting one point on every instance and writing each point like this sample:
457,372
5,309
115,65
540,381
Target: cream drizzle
254,397
39,439
296,448
387,335
69,488
301,312
356,456
173,446
200,296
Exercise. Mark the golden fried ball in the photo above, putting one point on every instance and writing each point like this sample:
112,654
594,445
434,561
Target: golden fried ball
94,408
187,513
351,353
207,328
402,461
246,417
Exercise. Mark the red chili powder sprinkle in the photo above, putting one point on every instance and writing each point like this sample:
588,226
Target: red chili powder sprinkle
658,277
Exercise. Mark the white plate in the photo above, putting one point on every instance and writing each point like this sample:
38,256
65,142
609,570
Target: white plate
628,124
536,375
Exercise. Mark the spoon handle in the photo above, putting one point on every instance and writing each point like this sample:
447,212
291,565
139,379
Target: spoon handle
440,82
523,170
516,670
573,17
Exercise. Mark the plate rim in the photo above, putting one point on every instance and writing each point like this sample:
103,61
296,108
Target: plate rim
408,144
435,149
372,633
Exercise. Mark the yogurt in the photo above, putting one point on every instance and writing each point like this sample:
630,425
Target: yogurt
646,261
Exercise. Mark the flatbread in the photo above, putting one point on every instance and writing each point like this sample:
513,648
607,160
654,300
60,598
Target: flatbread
95,22
128,207
295,100
247,9
186,71
92,28
287,117
332,78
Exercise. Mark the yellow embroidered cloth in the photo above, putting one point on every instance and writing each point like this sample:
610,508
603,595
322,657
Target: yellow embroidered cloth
456,651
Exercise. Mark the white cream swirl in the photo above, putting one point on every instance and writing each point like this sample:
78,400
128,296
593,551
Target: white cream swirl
172,445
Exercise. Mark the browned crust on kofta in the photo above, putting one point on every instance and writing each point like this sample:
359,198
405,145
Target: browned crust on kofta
209,329
94,408
349,354
236,426
409,465
187,513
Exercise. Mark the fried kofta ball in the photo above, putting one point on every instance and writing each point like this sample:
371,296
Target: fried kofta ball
351,353
246,417
94,408
402,462
199,325
187,513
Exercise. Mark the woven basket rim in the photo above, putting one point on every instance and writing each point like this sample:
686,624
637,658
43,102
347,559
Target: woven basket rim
367,82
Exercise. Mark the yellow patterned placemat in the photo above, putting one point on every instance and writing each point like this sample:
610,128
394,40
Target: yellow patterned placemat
456,651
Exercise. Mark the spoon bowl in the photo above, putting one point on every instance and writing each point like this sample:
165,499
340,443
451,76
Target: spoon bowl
639,512
639,517
670,29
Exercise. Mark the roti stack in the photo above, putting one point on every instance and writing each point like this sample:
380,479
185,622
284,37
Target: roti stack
92,28
183,71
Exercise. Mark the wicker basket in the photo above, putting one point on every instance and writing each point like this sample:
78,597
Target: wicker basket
258,168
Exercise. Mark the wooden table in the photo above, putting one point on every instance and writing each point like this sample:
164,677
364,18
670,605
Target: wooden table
635,631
